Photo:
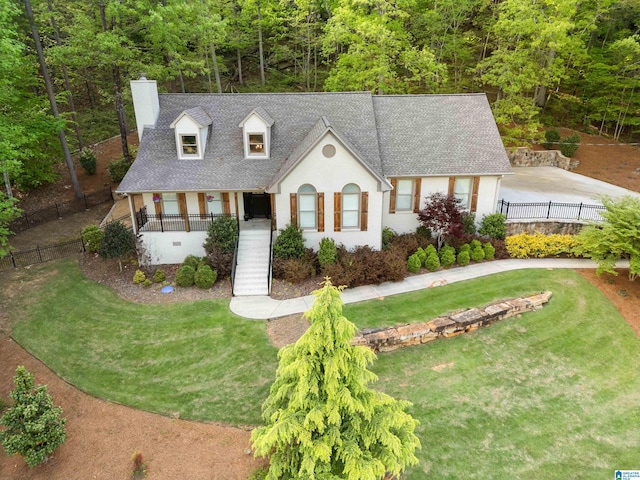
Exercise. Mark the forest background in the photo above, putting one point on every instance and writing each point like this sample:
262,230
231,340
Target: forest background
564,63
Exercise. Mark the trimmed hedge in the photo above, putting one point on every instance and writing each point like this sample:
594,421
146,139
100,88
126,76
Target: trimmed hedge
537,245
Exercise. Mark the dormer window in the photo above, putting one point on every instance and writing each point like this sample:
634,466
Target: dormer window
256,144
189,144
256,134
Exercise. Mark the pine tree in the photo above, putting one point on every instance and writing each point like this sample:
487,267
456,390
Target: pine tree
321,419
34,426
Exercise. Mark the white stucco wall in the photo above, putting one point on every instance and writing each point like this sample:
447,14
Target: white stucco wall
172,247
186,126
146,105
254,124
329,175
406,222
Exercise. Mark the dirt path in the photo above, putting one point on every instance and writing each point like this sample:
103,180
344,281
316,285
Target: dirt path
102,437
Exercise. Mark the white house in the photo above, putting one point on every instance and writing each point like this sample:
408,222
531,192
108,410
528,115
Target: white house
340,165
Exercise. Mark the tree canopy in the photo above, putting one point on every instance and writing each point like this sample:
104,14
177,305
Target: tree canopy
322,421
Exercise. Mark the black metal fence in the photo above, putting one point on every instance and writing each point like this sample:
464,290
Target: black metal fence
550,210
165,222
41,254
58,210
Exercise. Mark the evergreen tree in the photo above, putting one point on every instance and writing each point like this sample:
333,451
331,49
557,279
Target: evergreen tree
322,421
34,427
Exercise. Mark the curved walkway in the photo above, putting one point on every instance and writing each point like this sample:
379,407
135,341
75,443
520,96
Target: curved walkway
262,308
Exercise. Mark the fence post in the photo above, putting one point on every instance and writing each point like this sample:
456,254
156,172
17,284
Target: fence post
57,210
39,254
549,210
579,210
13,260
161,224
84,249
86,206
506,215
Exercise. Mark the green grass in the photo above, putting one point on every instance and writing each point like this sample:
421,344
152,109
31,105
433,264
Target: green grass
552,394
197,359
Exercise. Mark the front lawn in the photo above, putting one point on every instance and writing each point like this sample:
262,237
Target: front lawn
553,394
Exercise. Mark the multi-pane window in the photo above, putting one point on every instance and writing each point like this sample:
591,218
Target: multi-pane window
189,144
351,206
307,207
214,202
462,191
170,204
256,144
404,194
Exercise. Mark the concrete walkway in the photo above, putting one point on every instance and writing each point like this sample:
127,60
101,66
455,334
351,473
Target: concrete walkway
265,307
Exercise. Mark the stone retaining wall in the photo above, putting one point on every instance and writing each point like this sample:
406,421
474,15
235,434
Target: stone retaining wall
525,157
546,227
391,338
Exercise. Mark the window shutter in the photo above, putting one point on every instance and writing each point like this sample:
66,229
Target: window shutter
235,201
337,211
202,206
320,221
452,183
293,200
416,194
158,205
364,211
392,195
182,207
474,193
226,208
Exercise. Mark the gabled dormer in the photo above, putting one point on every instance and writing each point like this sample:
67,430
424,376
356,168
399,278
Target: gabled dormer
191,129
256,134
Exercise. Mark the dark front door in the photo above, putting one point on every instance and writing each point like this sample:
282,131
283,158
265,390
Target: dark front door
257,205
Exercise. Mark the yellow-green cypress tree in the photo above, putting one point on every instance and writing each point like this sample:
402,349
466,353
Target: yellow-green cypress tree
322,421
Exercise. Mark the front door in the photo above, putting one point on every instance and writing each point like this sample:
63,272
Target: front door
257,205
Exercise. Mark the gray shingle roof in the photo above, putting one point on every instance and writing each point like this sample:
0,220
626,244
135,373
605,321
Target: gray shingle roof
424,135
395,135
199,115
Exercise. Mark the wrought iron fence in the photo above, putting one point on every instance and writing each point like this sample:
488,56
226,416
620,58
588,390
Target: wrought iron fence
58,210
166,222
550,210
39,254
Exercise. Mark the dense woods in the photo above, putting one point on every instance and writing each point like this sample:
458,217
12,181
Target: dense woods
542,62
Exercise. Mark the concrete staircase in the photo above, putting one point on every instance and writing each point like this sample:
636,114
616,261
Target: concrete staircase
252,269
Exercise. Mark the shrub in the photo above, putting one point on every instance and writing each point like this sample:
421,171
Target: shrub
88,160
463,258
424,231
289,244
220,260
185,276
407,243
139,277
414,263
469,223
552,139
222,234
92,236
117,242
489,251
387,236
364,266
475,243
194,261
569,145
465,248
328,252
118,169
205,277
526,245
432,263
493,226
34,426
147,282
422,255
295,270
477,254
159,276
430,250
447,256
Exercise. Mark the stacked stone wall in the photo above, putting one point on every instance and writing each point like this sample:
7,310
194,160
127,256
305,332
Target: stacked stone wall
547,227
525,157
457,323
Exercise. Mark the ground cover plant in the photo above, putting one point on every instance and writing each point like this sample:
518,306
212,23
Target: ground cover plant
549,395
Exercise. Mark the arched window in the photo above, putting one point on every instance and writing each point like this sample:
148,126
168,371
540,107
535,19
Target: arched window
307,207
351,206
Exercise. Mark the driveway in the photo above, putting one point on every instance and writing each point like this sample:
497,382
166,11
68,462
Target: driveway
544,184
